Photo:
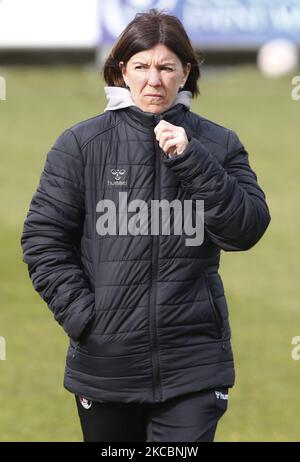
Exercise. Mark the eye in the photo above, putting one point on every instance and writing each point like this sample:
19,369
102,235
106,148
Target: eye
168,68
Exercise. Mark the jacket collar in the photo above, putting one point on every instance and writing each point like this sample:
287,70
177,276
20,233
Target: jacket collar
174,114
119,98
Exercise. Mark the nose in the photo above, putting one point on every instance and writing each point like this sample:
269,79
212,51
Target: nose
154,77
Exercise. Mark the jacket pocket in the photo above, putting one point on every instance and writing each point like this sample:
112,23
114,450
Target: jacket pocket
84,336
217,315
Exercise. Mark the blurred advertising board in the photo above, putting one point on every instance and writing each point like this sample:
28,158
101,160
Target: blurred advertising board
215,24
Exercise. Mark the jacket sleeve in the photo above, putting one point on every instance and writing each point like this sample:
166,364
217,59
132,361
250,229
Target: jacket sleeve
51,233
236,214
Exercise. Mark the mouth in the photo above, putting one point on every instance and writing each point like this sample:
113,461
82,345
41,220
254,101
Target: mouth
154,96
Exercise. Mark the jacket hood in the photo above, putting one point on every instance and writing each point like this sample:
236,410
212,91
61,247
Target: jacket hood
120,97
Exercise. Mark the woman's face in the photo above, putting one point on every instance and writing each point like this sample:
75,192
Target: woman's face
154,77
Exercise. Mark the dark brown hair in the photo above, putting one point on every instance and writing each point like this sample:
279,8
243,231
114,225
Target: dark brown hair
146,30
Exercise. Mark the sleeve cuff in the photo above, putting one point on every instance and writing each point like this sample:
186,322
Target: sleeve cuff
180,157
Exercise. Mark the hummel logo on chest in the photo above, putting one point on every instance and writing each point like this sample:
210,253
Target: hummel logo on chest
118,177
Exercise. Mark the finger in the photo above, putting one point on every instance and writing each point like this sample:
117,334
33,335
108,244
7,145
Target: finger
170,136
172,143
169,140
172,151
160,132
165,137
159,126
163,126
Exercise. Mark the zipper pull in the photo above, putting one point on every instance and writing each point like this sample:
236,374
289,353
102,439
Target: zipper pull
158,118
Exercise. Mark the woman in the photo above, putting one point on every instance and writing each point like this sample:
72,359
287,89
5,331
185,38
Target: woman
150,357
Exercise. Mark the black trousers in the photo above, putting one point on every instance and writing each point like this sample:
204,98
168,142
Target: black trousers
190,417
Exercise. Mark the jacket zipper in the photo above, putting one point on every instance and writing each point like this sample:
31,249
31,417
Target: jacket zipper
217,315
157,391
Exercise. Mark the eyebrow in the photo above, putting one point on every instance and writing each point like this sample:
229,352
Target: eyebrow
162,64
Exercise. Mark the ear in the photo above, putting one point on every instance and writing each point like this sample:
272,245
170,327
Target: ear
123,70
186,71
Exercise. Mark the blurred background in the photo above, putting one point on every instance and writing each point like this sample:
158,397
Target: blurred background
51,53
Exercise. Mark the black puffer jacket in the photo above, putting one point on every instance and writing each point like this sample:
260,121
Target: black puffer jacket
146,315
